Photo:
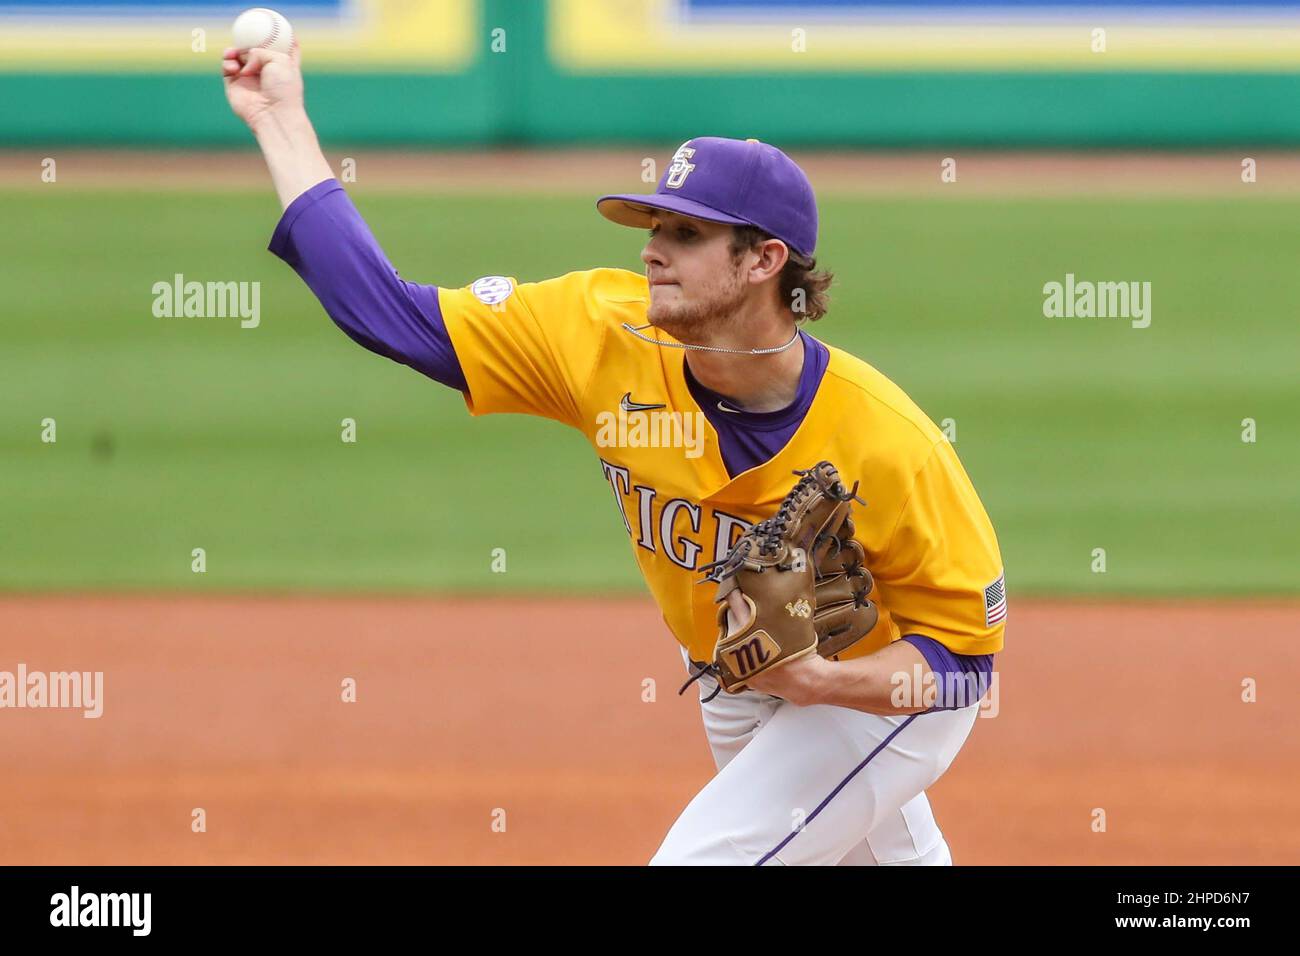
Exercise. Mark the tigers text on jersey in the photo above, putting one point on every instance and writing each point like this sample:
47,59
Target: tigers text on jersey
557,349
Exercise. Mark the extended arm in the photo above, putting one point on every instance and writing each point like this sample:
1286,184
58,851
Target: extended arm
266,93
323,237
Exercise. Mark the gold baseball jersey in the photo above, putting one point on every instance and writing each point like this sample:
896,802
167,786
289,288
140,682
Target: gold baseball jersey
557,349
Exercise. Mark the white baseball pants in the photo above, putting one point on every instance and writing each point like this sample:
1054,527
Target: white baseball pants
816,785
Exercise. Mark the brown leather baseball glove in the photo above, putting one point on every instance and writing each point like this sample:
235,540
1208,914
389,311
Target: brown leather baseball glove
801,577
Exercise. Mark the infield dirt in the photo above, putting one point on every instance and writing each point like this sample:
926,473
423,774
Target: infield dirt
593,171
468,708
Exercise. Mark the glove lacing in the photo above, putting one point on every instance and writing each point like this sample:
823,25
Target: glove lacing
769,532
705,669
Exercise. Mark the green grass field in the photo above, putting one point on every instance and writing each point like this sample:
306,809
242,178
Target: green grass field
1078,433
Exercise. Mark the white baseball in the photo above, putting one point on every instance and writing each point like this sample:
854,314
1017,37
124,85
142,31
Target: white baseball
261,27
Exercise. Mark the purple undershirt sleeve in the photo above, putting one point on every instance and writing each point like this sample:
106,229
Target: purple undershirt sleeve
961,679
324,239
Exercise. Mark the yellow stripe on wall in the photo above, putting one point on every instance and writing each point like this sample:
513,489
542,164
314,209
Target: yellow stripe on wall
436,36
616,36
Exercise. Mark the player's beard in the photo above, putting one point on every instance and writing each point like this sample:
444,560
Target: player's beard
698,322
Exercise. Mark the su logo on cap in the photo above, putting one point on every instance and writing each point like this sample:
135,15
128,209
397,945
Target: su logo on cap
680,167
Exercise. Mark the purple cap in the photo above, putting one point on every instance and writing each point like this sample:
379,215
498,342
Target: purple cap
741,182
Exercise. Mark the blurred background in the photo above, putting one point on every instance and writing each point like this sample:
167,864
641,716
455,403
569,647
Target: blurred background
1141,479
1178,73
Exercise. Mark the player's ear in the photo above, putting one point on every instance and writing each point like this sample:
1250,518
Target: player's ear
780,255
772,257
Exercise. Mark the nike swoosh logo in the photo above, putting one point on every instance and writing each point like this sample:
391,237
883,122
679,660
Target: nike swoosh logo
628,405
729,411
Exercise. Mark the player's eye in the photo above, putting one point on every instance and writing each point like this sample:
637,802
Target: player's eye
684,233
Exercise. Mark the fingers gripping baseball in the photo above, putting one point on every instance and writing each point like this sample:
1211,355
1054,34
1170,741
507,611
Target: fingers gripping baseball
261,82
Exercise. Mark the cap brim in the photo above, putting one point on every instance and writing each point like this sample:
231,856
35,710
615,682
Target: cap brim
634,210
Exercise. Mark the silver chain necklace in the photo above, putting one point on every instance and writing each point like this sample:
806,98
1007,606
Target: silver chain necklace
636,330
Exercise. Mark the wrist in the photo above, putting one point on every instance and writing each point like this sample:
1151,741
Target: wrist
283,126
822,680
292,152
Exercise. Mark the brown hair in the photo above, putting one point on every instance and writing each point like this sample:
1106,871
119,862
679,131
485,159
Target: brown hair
799,274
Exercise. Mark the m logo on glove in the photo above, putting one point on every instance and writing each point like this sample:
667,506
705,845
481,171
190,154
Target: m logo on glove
750,657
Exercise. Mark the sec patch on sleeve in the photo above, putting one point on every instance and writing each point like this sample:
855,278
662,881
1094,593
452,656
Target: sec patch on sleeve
492,289
995,601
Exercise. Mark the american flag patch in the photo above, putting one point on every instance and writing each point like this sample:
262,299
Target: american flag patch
995,601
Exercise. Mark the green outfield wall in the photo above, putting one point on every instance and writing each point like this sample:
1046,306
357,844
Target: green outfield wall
530,77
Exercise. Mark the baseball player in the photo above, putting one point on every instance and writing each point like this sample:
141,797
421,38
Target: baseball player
701,394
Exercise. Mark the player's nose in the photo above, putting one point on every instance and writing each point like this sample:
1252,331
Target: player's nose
651,253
